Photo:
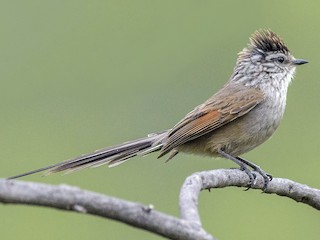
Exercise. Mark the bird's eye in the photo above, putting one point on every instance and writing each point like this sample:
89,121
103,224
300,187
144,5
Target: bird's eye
280,59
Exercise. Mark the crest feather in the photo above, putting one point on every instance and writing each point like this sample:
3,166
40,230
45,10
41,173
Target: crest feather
268,41
261,42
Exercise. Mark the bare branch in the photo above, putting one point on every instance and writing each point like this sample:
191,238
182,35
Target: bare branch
74,199
145,217
233,177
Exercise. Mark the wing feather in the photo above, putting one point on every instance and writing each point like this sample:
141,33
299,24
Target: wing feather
230,103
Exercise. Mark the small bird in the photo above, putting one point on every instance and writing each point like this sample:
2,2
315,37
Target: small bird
243,114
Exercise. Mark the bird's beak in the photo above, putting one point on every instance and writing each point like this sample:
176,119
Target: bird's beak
299,61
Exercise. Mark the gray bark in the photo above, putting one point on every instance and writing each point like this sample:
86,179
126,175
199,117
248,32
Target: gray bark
188,226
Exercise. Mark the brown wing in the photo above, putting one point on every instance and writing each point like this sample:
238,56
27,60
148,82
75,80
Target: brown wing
230,103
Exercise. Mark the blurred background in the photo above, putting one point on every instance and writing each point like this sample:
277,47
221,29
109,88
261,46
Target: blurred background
81,75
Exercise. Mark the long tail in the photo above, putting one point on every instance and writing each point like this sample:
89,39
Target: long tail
112,156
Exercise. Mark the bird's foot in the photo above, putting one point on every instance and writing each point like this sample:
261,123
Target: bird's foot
266,176
244,164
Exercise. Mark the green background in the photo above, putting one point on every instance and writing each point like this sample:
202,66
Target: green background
81,75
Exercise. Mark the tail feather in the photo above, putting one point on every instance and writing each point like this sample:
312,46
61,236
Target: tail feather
112,156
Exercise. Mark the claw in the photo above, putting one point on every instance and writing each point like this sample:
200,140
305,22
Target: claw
267,177
252,177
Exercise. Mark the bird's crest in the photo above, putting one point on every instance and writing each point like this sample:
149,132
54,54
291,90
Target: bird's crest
263,41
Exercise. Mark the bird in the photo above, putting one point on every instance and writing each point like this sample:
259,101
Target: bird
242,115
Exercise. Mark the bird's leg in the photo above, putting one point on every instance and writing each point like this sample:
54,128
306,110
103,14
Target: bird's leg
267,177
243,166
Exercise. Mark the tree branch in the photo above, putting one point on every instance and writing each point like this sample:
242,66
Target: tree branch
74,199
233,177
145,217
